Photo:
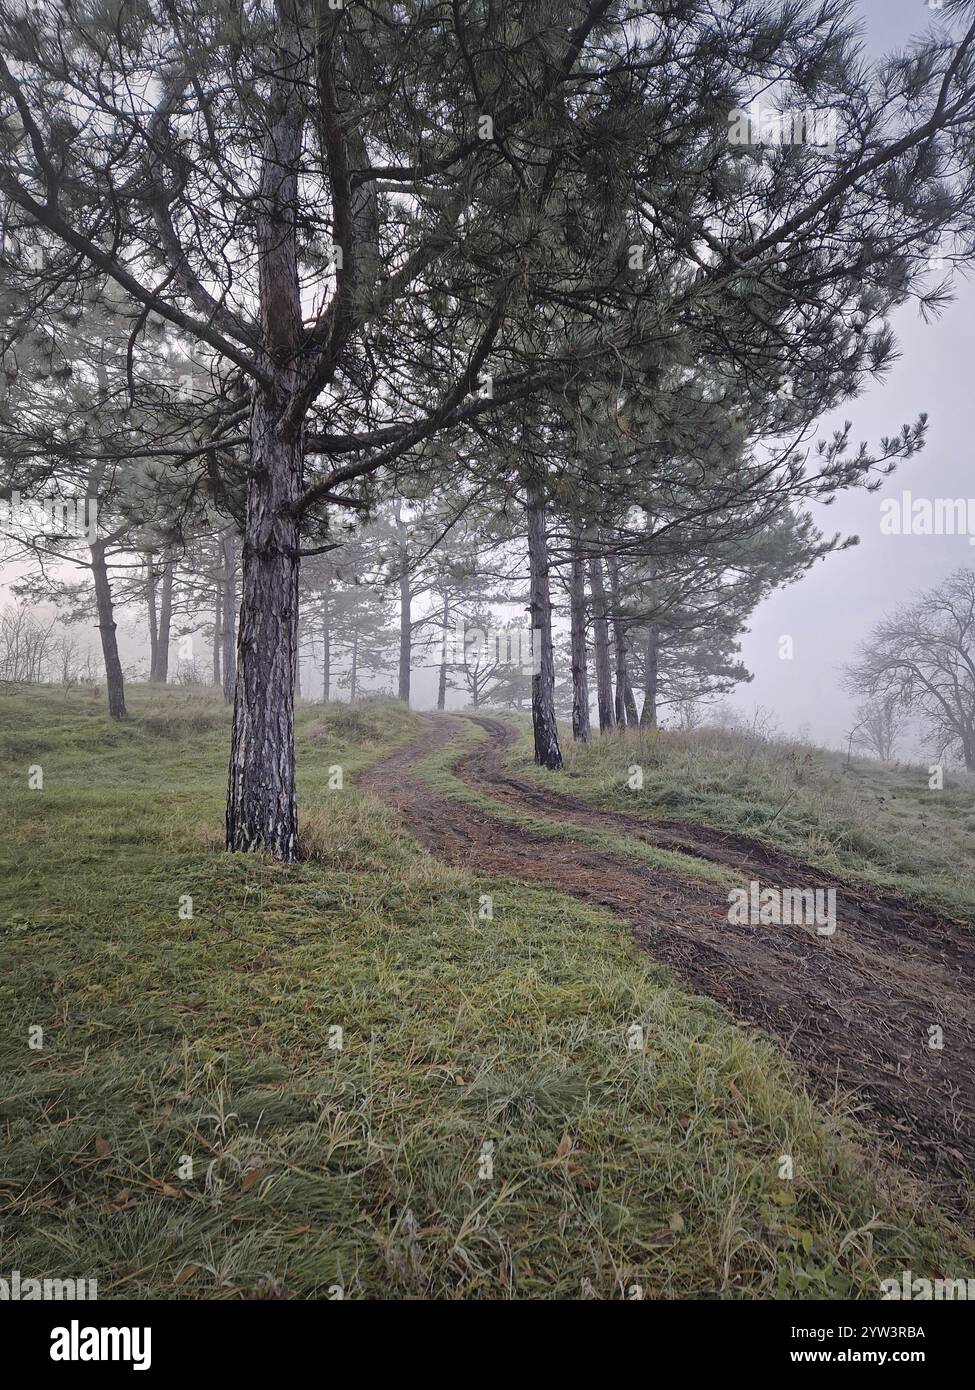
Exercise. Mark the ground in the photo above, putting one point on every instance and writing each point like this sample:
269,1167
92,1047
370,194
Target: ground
488,1040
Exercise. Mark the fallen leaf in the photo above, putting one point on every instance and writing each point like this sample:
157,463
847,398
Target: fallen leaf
251,1178
102,1148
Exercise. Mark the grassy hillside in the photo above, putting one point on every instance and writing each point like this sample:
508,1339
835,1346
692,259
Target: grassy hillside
868,820
186,1125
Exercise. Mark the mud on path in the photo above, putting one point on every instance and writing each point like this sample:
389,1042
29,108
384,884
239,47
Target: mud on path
853,1010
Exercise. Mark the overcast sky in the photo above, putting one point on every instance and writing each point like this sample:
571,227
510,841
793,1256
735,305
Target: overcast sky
839,600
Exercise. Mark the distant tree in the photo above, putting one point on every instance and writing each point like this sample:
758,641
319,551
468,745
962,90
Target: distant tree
27,644
922,659
879,722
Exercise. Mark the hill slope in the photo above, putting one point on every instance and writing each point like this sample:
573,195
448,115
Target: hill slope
519,1103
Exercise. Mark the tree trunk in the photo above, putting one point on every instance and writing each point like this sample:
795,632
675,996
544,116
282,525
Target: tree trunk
604,680
262,809
547,751
152,582
216,638
354,667
405,626
581,730
405,615
624,702
165,620
228,614
442,684
327,639
648,719
114,679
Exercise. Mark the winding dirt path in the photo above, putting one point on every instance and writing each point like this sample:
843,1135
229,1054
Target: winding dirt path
853,1010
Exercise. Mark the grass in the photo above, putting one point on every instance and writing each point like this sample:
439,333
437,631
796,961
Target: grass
189,1126
873,822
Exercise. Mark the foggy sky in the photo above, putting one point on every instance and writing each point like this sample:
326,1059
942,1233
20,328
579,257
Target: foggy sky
840,599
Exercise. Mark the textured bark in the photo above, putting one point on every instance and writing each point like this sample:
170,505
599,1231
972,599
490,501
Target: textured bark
114,679
326,639
262,810
405,643
216,638
152,584
405,613
624,705
600,627
581,731
648,719
228,614
442,684
629,700
160,672
354,668
547,751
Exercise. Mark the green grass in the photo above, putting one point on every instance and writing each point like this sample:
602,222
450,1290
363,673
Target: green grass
313,1168
869,821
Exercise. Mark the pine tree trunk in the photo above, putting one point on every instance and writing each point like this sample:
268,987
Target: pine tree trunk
405,615
442,684
216,638
326,639
354,668
114,679
152,582
604,680
547,751
581,730
629,699
228,614
165,619
262,810
405,625
624,702
648,719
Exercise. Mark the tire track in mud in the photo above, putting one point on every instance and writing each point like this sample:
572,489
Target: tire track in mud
853,1011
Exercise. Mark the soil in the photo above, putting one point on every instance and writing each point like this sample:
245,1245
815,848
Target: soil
852,1010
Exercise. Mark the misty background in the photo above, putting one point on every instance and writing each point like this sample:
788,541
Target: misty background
840,599
834,606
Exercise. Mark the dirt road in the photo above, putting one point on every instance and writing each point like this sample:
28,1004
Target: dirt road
853,1010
